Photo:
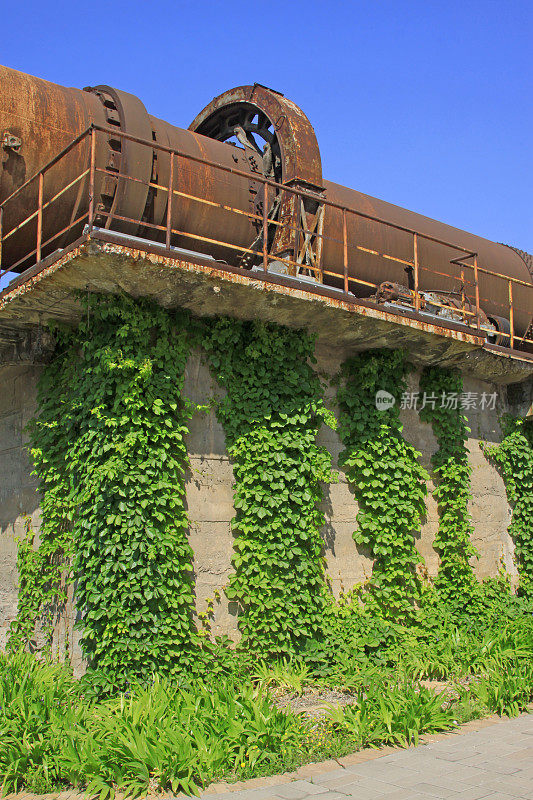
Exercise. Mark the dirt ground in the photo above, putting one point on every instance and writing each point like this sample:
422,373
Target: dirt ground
315,702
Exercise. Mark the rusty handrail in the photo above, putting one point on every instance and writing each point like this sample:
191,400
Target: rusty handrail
319,272
259,178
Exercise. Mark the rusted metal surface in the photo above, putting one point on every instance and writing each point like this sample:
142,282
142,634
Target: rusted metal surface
45,118
277,132
127,198
193,189
298,147
436,270
197,181
527,258
210,244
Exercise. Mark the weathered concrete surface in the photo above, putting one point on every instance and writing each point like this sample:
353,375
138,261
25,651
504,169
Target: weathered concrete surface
19,501
489,508
210,493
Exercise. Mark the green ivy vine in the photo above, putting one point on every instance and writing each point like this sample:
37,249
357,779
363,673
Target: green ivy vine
514,456
456,582
271,414
388,479
109,451
43,565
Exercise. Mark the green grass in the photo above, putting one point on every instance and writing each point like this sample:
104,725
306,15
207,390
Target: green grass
220,722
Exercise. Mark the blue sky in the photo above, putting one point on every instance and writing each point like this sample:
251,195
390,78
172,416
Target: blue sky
424,104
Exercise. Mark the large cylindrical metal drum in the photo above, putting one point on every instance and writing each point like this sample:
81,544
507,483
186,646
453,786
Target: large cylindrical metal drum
212,208
437,272
43,118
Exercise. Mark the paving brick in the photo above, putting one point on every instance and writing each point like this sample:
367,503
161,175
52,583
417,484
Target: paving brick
455,756
260,782
330,775
309,770
378,788
297,790
275,780
427,763
364,794
354,758
371,754
525,774
473,776
389,773
501,796
267,793
338,782
211,795
491,756
392,758
406,794
498,765
304,786
475,793
513,786
334,795
321,767
433,790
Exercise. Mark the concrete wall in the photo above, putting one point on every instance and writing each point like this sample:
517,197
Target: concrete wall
210,494
19,501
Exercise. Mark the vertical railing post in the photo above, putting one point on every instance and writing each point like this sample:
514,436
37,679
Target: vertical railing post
511,313
169,203
415,265
92,180
1,234
295,228
265,227
476,284
463,304
345,249
319,241
40,216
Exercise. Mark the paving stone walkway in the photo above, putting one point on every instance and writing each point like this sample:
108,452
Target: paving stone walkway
493,763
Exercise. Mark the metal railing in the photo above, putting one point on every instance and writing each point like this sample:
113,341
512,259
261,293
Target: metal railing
469,309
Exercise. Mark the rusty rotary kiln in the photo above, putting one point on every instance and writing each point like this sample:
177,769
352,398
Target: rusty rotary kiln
249,144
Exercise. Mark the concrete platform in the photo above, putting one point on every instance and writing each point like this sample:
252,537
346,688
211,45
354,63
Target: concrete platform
109,262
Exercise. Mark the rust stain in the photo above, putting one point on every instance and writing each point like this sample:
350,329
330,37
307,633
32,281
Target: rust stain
256,283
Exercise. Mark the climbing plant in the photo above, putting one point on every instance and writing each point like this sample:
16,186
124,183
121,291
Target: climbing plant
44,567
441,389
271,414
109,450
388,479
514,456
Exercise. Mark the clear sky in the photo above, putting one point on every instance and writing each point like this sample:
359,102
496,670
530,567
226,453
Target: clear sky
424,104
